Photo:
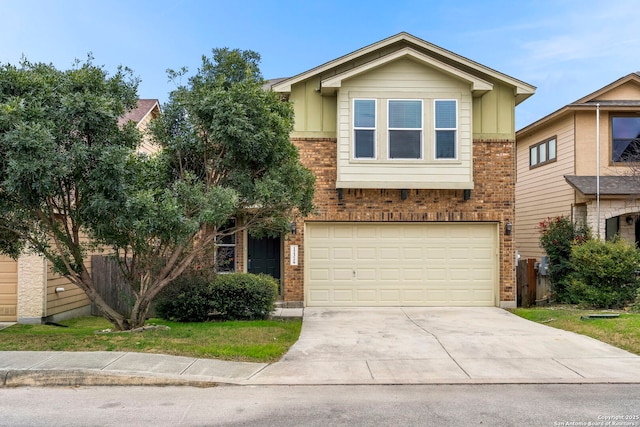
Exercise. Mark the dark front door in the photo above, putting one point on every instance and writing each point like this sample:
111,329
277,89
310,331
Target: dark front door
263,256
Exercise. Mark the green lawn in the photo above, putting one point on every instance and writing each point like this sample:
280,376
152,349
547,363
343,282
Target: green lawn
249,341
622,332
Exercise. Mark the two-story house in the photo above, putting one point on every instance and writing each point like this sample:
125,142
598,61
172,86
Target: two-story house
413,148
558,166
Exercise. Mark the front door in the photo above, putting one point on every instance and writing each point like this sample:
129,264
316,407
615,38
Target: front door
263,256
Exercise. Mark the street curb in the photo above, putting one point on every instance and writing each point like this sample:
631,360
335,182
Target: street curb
75,378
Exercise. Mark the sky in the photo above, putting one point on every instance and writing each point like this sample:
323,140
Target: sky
566,48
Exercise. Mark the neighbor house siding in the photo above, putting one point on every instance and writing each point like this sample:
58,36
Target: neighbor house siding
404,79
542,191
491,201
8,289
70,299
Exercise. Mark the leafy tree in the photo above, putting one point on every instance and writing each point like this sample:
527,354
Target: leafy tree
557,236
70,181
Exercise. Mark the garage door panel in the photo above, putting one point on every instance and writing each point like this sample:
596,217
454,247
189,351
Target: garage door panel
391,264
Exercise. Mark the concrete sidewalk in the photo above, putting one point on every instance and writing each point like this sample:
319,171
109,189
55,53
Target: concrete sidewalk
361,346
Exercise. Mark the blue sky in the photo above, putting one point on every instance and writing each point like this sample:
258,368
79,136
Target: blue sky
567,48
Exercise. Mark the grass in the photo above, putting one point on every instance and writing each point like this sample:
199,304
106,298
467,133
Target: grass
247,341
622,332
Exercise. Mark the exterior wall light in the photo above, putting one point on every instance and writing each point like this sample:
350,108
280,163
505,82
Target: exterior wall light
293,227
629,220
507,228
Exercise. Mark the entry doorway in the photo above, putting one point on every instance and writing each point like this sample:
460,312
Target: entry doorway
263,256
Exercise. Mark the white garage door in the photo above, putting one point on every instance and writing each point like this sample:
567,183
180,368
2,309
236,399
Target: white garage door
401,264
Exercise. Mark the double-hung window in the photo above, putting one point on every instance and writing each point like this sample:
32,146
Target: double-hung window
405,129
364,128
625,139
446,128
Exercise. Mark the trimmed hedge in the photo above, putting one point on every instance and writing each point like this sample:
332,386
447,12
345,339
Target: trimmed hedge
229,297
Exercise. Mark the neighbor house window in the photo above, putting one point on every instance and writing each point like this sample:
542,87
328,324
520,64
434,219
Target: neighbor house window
625,139
446,129
542,152
226,250
405,129
364,128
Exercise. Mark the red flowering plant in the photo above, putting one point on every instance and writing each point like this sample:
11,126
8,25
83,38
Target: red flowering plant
557,236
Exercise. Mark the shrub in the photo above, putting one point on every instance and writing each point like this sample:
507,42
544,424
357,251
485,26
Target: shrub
557,236
243,296
186,299
194,298
635,306
604,273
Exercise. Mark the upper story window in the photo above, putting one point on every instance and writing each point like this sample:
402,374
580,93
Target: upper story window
364,128
543,152
446,127
625,139
405,129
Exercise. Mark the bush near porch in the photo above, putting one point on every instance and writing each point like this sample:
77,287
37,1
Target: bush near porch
194,298
589,272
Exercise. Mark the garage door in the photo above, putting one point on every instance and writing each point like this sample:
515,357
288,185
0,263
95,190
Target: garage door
8,289
401,264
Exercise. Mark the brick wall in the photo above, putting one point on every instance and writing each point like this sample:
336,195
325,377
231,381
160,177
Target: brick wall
491,200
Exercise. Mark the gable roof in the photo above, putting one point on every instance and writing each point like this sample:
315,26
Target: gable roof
145,108
373,55
589,102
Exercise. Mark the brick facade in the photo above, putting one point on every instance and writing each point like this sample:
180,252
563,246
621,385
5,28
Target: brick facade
492,200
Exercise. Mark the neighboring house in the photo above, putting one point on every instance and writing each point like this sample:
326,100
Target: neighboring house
29,291
413,149
557,172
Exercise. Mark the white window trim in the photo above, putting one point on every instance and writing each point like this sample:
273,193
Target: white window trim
389,129
375,129
436,129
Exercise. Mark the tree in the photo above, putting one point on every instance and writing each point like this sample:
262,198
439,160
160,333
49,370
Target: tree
225,155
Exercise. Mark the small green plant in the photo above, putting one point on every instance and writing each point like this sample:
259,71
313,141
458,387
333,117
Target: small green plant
604,273
557,237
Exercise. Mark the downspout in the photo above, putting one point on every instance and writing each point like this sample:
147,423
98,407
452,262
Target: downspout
598,169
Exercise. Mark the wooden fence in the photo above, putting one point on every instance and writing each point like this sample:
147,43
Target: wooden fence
110,284
532,287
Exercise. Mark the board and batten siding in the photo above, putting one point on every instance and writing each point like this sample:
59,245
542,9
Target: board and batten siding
542,191
8,289
404,79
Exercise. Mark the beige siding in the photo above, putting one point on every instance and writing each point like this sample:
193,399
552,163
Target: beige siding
542,192
8,289
404,79
71,298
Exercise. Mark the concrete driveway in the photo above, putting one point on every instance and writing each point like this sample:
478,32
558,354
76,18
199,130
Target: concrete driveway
442,345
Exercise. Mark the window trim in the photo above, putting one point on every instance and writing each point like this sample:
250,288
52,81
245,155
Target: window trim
355,128
537,146
421,129
456,144
233,245
619,162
